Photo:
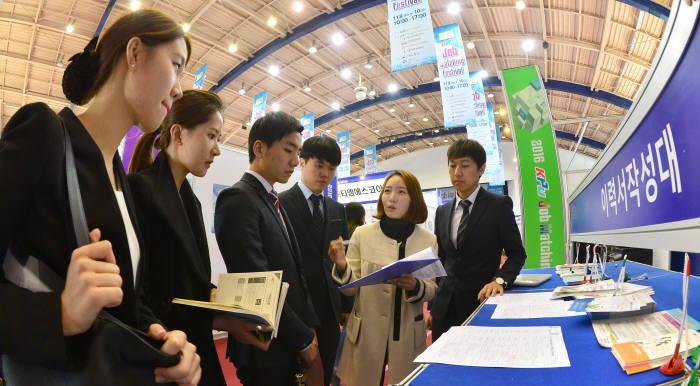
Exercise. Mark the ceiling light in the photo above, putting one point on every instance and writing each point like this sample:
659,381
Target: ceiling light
482,74
392,109
490,95
307,87
376,131
345,73
453,8
297,6
337,38
275,106
430,143
135,5
358,118
410,102
470,44
528,45
445,140
407,122
368,65
186,27
70,28
59,63
335,106
274,70
436,130
520,5
502,111
328,130
437,77
515,159
242,90
379,155
371,91
313,49
272,21
392,140
404,148
425,119
233,47
507,129
393,87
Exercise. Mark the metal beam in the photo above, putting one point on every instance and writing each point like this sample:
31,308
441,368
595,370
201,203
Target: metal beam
607,25
589,119
650,7
104,17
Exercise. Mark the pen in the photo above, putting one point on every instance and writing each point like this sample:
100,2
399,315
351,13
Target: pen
621,277
347,242
259,333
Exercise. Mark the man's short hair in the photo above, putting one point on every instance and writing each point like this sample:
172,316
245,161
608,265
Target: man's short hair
271,128
322,148
467,148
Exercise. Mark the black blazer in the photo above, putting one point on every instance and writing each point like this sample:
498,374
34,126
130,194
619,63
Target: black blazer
178,258
252,238
491,228
317,264
36,221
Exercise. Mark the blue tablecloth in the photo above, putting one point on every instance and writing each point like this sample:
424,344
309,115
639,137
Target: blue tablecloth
590,363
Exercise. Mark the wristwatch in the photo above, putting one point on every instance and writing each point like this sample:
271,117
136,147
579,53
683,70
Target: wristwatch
499,280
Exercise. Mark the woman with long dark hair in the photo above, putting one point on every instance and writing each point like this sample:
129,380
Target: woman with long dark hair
171,218
130,77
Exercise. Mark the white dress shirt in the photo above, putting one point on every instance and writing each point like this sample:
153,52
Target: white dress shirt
457,215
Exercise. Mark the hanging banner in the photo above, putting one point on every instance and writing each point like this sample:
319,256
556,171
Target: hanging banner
259,102
199,77
364,189
482,130
308,122
332,189
371,159
539,168
411,34
497,176
457,104
343,140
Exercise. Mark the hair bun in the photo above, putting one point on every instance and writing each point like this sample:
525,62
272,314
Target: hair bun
80,74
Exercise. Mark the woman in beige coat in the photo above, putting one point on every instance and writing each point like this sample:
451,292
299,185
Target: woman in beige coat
386,323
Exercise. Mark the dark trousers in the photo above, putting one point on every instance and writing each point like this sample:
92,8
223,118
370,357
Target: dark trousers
267,376
328,335
457,313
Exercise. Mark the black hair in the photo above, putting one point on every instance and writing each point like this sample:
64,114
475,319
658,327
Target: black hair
467,148
270,129
88,71
322,148
355,213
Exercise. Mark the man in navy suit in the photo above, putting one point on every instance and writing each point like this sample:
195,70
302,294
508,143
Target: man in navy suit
254,234
317,220
471,231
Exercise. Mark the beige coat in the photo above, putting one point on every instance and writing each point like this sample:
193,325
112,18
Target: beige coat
371,323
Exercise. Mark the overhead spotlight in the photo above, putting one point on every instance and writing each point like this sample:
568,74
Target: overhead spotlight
70,27
502,111
335,106
233,47
393,87
445,140
453,8
371,91
470,44
490,95
59,63
186,27
392,109
392,140
507,129
520,5
528,45
379,155
242,89
358,118
273,70
430,143
376,131
307,87
482,74
545,44
419,133
345,73
404,148
436,130
425,119
298,6
313,49
369,65
328,130
436,78
272,21
135,5
515,159
410,102
337,38
275,106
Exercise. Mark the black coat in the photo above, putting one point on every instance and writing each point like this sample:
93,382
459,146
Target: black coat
178,254
252,238
314,247
491,228
35,220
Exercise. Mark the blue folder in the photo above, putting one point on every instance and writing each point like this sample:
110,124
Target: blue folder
391,271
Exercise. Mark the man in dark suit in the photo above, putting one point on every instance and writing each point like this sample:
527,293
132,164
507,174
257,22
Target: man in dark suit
254,233
471,231
316,221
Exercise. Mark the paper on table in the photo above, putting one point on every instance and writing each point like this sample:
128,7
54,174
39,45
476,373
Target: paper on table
544,309
515,347
520,298
636,328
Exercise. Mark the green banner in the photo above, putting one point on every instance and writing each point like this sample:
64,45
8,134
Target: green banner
543,217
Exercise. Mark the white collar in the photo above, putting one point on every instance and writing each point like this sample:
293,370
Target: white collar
262,180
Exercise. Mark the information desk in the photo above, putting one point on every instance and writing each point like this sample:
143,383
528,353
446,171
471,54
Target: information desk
590,363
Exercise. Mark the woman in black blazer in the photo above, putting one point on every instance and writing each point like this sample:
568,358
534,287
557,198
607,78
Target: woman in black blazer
132,77
171,217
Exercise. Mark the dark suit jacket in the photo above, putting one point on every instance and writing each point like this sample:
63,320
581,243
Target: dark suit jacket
317,264
35,220
491,228
178,254
252,238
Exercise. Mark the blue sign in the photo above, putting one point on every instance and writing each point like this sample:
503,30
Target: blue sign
259,103
371,159
343,140
410,34
308,122
653,179
332,189
455,87
364,189
199,77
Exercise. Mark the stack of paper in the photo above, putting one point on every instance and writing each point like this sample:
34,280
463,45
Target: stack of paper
530,305
647,354
600,289
516,347
640,328
622,306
